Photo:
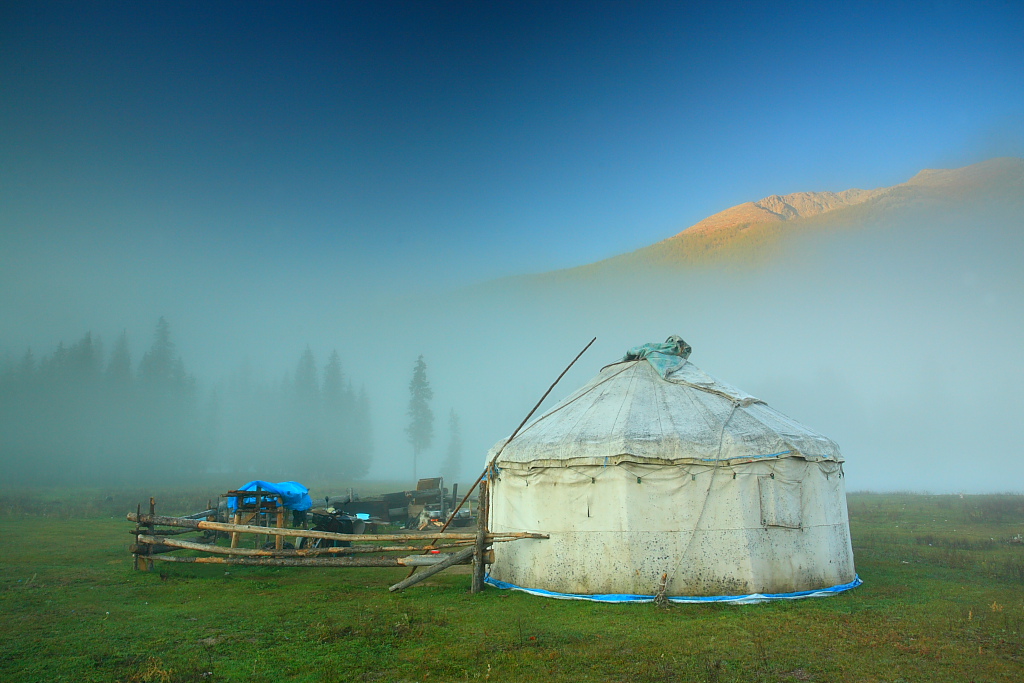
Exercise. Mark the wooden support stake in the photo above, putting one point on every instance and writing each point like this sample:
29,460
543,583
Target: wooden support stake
480,548
138,515
453,559
279,540
257,542
236,519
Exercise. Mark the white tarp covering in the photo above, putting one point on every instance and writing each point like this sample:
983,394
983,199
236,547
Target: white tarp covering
628,413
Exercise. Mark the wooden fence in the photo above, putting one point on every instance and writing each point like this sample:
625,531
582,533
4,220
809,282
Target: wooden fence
436,551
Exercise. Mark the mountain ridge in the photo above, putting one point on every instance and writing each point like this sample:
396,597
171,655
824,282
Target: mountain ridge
755,229
777,207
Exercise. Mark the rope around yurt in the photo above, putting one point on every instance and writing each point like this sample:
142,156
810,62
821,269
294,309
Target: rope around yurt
670,575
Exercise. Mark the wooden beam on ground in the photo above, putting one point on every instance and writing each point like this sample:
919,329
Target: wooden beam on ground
462,557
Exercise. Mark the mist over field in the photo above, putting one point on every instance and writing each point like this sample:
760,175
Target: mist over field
900,340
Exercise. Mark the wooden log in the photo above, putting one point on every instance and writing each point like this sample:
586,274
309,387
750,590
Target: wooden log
462,557
480,547
330,536
176,544
210,512
419,560
151,548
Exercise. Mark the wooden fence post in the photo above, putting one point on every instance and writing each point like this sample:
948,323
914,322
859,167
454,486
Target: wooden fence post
279,504
152,531
138,558
480,550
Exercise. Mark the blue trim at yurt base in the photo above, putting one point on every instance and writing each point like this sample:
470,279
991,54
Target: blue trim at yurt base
728,599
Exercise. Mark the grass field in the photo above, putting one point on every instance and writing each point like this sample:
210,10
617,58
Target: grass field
943,600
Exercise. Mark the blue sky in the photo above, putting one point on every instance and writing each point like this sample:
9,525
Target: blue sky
151,151
275,175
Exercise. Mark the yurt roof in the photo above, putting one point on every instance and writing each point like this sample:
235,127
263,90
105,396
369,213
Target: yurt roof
660,409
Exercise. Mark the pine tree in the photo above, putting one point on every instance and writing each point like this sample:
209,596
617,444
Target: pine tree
308,458
122,408
361,436
84,360
81,422
307,389
161,367
27,367
334,379
166,414
421,419
119,369
338,419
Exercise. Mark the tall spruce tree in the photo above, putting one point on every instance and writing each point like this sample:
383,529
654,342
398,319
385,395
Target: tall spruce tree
421,419
307,457
361,436
119,369
167,416
161,367
337,418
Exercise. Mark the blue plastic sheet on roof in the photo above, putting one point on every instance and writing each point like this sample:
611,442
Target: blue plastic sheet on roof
665,357
729,599
294,494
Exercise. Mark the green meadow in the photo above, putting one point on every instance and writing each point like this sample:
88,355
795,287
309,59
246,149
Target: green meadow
942,600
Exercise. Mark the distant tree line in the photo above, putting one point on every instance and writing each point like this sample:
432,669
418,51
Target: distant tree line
81,416
312,425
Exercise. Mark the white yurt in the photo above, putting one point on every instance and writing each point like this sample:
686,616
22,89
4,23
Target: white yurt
656,479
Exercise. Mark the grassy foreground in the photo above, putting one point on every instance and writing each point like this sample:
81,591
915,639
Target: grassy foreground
943,600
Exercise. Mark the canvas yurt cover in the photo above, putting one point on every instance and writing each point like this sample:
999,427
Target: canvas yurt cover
655,478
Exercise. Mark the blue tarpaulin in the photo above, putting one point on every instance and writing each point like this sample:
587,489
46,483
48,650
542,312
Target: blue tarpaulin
294,494
729,599
665,357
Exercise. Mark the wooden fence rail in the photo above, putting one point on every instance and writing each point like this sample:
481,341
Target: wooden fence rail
177,544
159,520
464,556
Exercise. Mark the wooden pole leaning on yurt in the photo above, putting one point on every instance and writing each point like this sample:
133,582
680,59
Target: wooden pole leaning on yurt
484,473
507,441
